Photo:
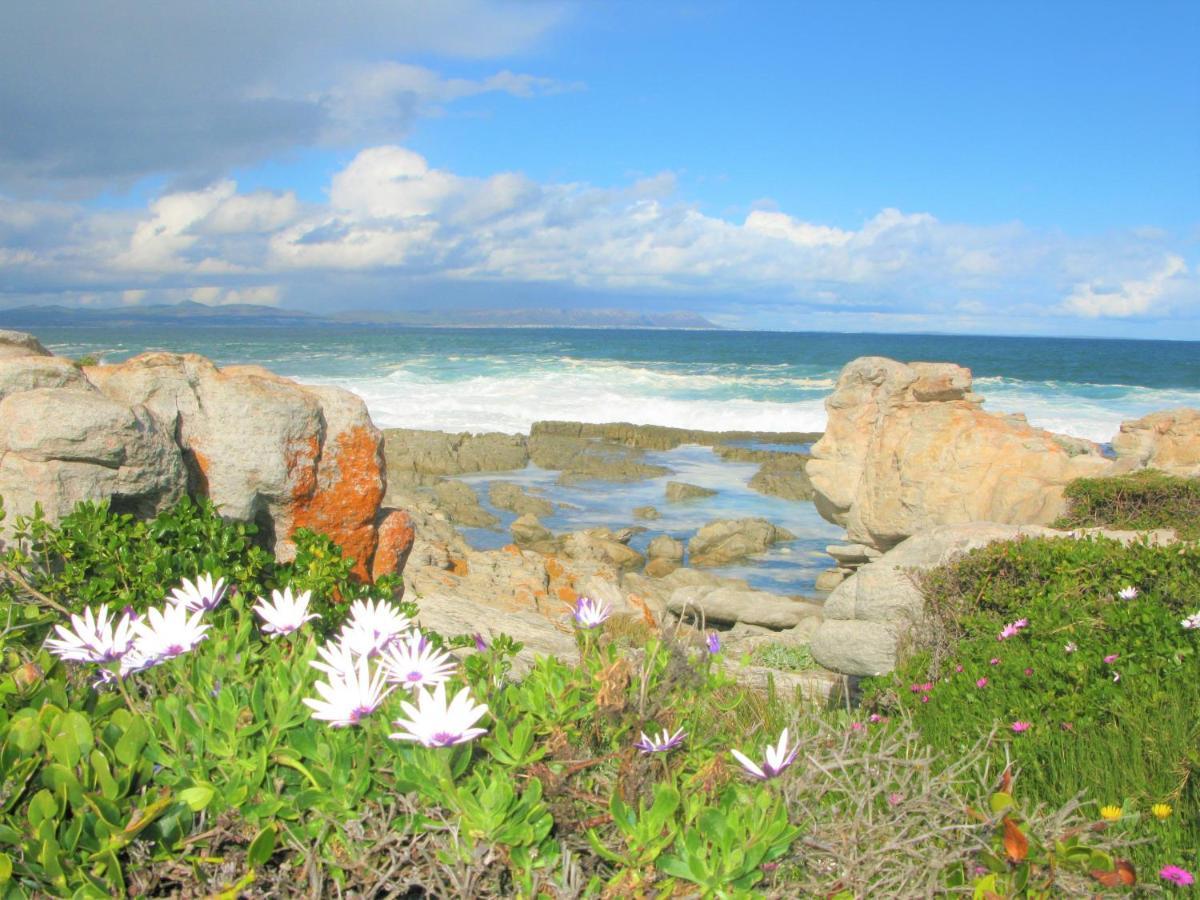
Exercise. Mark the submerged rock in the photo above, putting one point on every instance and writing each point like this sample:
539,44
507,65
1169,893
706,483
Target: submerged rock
461,504
678,491
725,541
646,512
784,476
514,498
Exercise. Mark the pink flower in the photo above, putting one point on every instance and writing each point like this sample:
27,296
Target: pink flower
1176,875
857,726
876,717
981,683
895,799
1071,647
924,698
1018,727
1112,658
1011,629
1028,672
994,661
958,668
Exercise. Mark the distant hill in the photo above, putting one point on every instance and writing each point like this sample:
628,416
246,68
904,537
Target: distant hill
249,314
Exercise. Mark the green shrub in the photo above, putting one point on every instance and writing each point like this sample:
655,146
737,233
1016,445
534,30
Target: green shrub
1143,500
207,774
1108,686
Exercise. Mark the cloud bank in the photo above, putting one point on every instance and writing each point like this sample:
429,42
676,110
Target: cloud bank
396,228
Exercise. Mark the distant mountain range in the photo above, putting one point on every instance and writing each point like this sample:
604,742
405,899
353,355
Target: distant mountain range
249,314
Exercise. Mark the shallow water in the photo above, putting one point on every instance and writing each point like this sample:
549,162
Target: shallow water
789,568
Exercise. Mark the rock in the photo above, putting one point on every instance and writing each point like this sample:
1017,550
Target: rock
819,687
852,554
583,459
415,452
396,536
678,491
514,498
527,531
15,344
60,447
299,457
461,504
646,512
1168,441
665,547
661,567
727,540
872,612
598,545
658,437
28,373
907,448
784,476
726,606
450,614
829,579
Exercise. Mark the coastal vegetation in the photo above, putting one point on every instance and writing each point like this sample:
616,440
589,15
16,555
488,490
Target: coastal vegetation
213,735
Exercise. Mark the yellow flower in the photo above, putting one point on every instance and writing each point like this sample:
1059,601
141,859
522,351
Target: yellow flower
1110,813
1161,810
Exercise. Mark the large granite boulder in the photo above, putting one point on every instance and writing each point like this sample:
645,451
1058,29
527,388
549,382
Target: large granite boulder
725,541
142,433
1168,441
908,448
870,616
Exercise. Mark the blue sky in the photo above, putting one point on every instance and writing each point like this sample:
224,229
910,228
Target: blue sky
990,168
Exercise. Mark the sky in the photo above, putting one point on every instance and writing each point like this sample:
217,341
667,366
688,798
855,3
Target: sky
1016,168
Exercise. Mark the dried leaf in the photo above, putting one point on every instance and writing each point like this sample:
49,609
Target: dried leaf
1016,845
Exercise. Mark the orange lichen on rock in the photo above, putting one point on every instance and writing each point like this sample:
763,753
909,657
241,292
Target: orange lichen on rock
341,498
394,542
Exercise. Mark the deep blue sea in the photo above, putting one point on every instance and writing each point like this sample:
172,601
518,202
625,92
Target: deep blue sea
505,379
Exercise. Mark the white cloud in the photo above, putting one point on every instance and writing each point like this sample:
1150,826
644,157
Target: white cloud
392,220
1130,297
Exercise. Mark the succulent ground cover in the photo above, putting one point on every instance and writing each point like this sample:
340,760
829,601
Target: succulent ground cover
181,715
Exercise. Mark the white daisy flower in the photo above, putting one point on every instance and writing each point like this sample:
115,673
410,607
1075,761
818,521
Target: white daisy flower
346,700
93,639
168,632
413,662
590,613
200,595
340,660
1128,593
777,759
285,613
372,625
434,724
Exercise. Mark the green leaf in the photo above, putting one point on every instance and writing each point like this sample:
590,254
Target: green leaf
261,847
5,868
197,798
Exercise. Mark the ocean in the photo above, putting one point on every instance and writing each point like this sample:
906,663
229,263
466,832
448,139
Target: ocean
505,379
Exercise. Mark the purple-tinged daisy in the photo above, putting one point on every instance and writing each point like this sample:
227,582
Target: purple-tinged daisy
434,723
591,613
776,759
1011,629
661,744
1111,658
1192,622
713,642
373,625
1070,647
166,633
480,644
1019,726
346,700
201,595
413,662
285,613
92,638
981,683
1128,593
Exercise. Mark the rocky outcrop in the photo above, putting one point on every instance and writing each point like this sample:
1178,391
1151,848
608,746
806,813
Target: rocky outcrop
727,606
514,498
646,512
783,476
1168,441
869,617
586,459
142,433
528,531
725,541
659,437
461,504
679,491
18,344
908,448
415,456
